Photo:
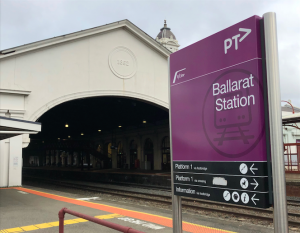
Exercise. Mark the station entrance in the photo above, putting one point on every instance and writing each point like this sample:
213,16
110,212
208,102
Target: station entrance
101,133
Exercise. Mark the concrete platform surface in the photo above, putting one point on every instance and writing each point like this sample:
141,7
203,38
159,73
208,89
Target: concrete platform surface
36,209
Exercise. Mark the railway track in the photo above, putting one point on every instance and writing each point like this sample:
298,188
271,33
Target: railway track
187,203
293,202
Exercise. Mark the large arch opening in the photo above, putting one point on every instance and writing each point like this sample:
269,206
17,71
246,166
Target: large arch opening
99,133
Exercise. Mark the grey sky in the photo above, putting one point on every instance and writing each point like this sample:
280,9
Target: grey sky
26,21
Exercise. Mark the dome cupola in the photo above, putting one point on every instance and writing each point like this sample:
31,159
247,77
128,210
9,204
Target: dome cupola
165,32
167,38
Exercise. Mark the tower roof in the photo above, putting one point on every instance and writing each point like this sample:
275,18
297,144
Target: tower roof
165,32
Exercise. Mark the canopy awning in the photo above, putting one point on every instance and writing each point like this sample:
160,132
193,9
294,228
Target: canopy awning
13,127
290,119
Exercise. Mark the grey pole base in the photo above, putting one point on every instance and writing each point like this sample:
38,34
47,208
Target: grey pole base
177,214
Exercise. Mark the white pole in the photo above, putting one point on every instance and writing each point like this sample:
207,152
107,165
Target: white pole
176,200
276,141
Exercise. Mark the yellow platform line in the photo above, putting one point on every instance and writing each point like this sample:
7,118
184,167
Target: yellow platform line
161,220
55,224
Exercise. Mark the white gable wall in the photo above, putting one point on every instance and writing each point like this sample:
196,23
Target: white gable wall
80,68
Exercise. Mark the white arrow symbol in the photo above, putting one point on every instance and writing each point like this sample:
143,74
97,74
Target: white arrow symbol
251,168
256,184
244,30
254,199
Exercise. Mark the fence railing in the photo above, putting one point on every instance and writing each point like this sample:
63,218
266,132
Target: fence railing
61,216
292,157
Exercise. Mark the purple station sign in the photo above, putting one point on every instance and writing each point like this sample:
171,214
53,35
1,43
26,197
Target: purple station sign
219,143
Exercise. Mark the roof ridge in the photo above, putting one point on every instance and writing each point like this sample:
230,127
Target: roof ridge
83,33
61,35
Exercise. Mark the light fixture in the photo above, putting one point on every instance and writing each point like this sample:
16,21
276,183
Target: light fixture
120,126
43,141
66,125
82,134
69,136
58,138
99,130
144,122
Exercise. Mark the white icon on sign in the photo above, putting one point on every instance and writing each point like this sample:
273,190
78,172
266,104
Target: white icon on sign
177,75
226,195
253,168
245,198
228,42
254,199
243,168
244,183
255,184
235,197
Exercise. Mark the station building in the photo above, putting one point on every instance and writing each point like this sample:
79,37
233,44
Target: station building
100,94
291,131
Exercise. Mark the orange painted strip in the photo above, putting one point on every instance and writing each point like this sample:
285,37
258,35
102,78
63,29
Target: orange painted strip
164,221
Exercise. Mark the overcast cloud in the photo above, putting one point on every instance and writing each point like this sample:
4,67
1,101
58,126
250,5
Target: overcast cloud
26,21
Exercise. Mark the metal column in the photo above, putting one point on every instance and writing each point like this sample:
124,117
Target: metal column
276,141
176,200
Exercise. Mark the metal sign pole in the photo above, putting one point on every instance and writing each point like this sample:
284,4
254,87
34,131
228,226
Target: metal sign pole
274,100
176,200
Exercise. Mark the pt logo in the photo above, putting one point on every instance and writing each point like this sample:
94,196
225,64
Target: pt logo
178,75
228,42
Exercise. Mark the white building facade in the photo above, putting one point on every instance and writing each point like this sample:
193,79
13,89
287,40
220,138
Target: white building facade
117,59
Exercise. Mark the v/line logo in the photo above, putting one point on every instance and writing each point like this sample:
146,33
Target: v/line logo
178,76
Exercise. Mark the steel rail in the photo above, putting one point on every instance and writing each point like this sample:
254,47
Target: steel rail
127,184
293,201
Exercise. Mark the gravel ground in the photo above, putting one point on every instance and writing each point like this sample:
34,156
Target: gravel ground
293,198
231,217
